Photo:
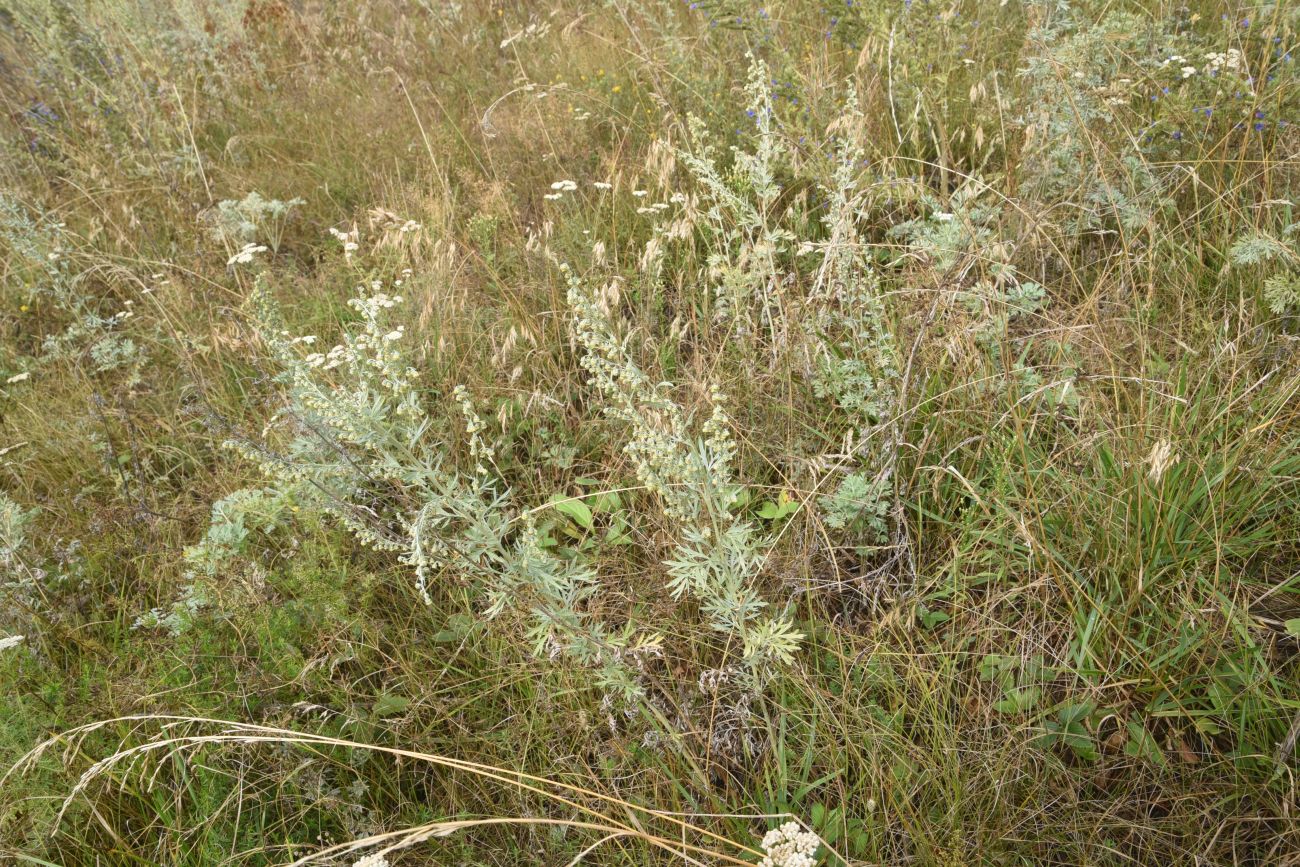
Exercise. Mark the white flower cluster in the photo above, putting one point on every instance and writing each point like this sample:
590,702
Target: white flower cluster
1230,60
559,188
1216,61
789,846
246,254
349,239
1181,62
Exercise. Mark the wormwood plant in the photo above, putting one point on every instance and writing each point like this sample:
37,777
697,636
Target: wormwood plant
253,218
363,448
42,265
760,248
1281,288
718,556
1079,83
13,529
747,245
857,351
234,519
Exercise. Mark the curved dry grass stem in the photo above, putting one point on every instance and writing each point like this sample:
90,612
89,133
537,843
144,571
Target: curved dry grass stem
408,837
235,732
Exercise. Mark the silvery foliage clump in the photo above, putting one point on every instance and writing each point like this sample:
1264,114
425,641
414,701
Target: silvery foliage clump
858,366
23,584
234,519
946,236
40,263
35,570
363,448
858,354
842,319
13,530
1076,76
1281,288
748,243
717,557
238,223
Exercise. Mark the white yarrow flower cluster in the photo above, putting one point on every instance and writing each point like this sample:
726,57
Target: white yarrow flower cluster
11,641
1184,70
559,188
789,846
349,239
1230,60
246,254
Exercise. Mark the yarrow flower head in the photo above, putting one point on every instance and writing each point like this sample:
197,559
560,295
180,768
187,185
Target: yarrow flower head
349,240
789,846
245,255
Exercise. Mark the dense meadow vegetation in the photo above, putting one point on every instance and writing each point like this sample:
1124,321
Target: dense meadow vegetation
625,432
